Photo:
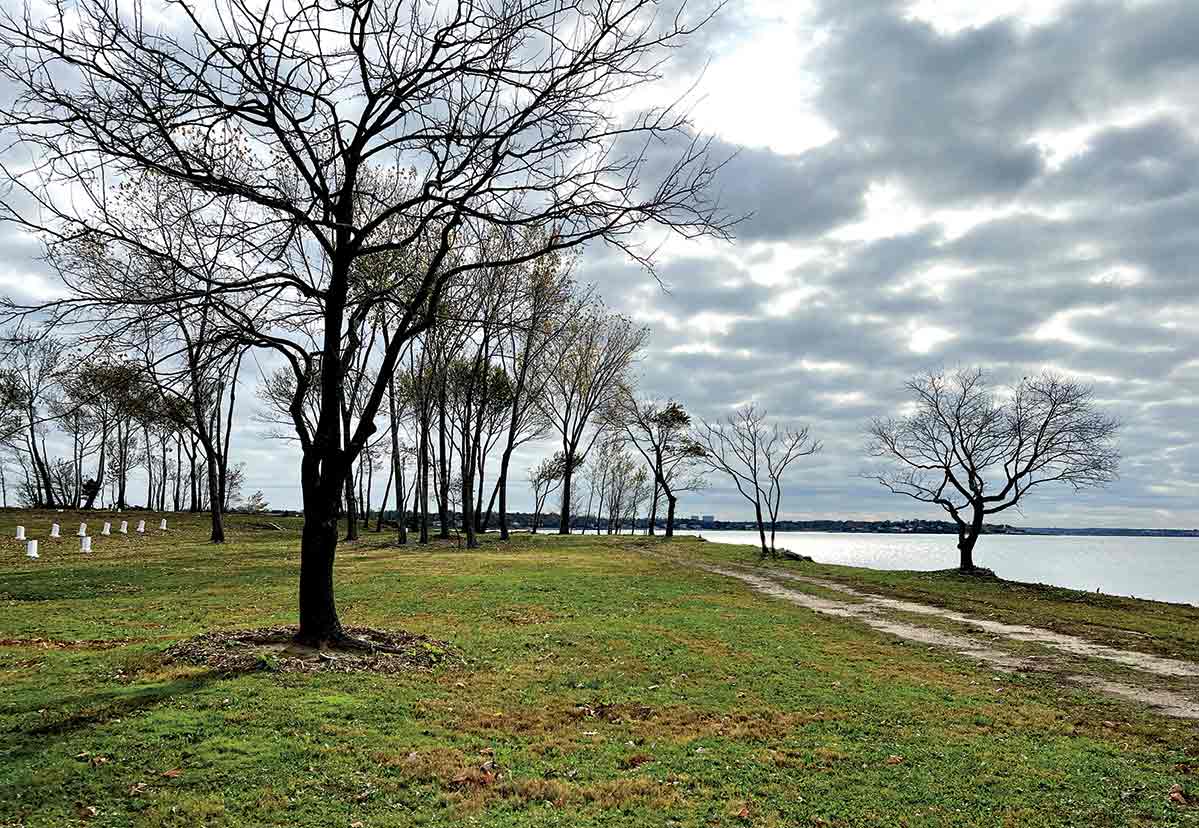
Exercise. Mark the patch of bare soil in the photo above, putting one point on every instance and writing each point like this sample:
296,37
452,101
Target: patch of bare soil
275,649
871,608
1071,644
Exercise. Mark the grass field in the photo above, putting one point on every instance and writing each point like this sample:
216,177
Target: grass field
599,686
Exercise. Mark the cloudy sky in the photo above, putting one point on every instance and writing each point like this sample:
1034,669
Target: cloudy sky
932,184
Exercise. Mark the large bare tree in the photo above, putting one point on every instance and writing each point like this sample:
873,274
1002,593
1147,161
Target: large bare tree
755,456
977,453
338,130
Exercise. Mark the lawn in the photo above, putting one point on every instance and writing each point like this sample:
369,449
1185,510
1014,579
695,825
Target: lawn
592,685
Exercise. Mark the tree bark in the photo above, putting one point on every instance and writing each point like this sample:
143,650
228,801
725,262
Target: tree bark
766,551
443,485
967,537
567,479
502,483
671,501
319,623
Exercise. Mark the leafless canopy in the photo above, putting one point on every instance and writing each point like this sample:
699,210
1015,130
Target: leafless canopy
976,454
755,456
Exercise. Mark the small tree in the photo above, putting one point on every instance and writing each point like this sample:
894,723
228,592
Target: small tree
756,457
256,503
660,432
976,454
544,478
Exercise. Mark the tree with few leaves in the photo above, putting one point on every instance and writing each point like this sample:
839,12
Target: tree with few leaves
755,456
661,433
976,452
590,362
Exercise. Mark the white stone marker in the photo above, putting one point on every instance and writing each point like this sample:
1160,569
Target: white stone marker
85,544
54,530
20,533
141,527
107,530
83,530
163,524
124,527
31,549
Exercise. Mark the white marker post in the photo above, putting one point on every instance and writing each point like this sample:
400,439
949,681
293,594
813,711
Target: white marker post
31,549
20,533
54,530
85,544
124,527
107,530
163,524
141,527
83,530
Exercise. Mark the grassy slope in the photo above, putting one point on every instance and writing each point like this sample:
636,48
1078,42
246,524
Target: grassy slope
609,688
1151,626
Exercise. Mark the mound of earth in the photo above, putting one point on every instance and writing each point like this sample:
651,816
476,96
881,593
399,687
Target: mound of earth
275,649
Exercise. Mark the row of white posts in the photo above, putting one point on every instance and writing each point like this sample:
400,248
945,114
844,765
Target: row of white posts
85,542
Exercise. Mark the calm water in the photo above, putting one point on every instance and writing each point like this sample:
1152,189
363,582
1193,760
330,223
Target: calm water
1166,569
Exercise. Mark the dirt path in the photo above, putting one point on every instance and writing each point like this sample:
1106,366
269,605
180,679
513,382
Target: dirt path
872,610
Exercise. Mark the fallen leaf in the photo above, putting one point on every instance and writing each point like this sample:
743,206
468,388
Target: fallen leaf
357,824
139,788
744,812
894,760
173,773
1178,795
97,761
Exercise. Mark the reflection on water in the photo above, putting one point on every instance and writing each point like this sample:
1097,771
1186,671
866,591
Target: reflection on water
1166,569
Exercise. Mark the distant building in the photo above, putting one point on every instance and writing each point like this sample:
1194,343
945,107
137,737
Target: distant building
708,520
695,518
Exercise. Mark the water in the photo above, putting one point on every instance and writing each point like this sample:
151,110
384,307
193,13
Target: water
1165,569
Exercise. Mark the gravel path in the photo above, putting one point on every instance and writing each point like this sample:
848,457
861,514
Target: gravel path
872,610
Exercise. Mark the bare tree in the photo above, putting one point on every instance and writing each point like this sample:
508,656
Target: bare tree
755,457
386,127
590,361
975,454
661,433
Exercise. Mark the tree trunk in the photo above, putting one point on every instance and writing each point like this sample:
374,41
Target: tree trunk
967,537
567,475
215,511
351,510
671,500
319,623
502,483
423,480
443,485
766,551
95,491
386,494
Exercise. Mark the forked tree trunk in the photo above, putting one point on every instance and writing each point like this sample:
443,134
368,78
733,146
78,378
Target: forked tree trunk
967,537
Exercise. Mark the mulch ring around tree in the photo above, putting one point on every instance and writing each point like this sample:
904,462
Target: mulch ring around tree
274,649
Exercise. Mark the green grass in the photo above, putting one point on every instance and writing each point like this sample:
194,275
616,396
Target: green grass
1154,627
607,687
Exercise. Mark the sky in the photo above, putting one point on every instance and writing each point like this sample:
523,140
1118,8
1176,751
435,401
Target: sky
931,184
